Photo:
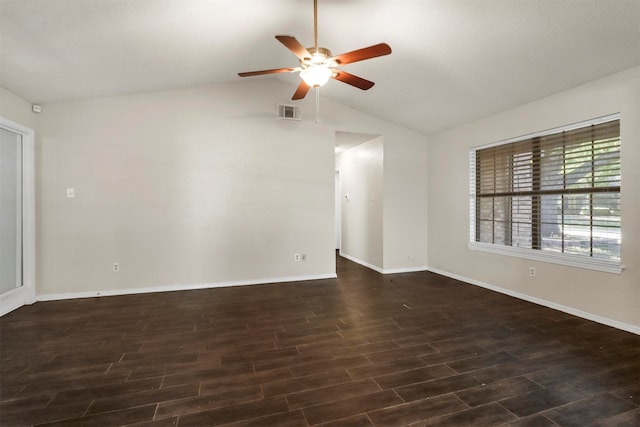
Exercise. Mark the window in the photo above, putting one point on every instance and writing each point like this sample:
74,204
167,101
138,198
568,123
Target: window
552,196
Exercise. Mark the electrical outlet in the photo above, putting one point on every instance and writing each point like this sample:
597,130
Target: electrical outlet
532,272
297,257
116,267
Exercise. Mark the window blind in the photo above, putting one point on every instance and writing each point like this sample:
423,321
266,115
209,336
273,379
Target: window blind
556,192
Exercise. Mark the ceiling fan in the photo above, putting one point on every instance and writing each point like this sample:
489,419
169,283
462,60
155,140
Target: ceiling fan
317,65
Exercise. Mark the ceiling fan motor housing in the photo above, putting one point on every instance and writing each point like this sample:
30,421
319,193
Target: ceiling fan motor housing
318,57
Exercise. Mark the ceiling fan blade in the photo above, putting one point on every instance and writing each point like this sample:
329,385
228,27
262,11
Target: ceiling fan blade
374,51
274,71
353,80
294,46
301,92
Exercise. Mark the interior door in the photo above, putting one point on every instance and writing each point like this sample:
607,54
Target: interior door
11,262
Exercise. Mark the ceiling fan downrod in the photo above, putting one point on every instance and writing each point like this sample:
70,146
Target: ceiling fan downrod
315,26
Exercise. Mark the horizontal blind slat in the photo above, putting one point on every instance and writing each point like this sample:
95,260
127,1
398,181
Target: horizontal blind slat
567,183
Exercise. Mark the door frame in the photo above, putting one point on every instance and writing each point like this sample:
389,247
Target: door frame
338,210
26,294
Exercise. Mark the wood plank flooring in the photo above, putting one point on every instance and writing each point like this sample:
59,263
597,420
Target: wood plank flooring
414,349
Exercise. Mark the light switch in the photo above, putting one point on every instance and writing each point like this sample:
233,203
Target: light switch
71,193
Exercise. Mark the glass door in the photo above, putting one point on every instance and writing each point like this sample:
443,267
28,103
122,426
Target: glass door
11,260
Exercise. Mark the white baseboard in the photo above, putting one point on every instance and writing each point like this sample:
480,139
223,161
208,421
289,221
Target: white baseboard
10,301
179,287
382,270
361,262
579,313
403,270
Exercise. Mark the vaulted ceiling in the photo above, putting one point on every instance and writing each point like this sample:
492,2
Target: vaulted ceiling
453,61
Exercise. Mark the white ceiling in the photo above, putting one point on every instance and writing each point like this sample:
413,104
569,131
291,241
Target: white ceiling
453,61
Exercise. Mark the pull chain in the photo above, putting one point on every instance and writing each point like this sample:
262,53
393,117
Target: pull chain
317,105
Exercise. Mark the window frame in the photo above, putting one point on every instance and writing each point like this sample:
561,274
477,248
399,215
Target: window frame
566,259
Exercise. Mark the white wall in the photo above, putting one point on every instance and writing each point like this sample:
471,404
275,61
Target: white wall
405,204
361,176
188,187
197,187
16,109
613,298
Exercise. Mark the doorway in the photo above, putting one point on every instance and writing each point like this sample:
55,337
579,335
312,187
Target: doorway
358,195
16,217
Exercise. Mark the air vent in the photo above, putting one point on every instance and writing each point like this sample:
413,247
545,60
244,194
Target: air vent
289,112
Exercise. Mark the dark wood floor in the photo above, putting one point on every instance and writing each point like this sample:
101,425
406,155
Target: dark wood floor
412,349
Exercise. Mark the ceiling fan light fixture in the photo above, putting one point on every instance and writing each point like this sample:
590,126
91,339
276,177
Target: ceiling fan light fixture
316,75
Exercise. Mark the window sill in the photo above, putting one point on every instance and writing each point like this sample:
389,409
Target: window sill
550,257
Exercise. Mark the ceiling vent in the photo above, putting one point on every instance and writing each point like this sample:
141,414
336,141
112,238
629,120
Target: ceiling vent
289,112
